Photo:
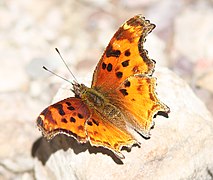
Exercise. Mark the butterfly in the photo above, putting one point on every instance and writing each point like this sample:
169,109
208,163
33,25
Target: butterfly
121,98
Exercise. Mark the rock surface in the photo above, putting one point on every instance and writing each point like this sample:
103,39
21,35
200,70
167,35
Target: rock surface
180,146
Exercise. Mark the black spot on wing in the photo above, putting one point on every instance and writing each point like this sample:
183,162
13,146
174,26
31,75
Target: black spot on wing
127,83
109,67
72,119
104,65
125,63
119,74
68,103
124,92
71,108
95,122
110,52
63,120
89,123
59,107
127,52
80,116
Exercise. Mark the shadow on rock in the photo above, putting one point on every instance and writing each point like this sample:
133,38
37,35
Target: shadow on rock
42,149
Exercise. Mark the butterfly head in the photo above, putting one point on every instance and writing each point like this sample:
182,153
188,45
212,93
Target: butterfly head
79,89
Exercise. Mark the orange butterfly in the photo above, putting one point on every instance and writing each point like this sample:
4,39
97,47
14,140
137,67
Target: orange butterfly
122,95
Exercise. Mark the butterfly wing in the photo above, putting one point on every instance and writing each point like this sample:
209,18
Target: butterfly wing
72,117
136,97
66,117
103,133
124,56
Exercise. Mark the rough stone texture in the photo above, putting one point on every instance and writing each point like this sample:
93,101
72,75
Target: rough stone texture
8,82
195,22
17,133
180,146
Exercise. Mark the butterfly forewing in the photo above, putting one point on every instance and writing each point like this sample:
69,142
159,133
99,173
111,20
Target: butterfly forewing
124,56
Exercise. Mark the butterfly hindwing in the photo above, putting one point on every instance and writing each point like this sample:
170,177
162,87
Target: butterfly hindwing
136,97
103,133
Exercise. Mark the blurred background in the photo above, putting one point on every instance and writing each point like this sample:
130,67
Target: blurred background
30,30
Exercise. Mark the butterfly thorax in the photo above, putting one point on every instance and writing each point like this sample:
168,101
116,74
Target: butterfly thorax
96,100
90,96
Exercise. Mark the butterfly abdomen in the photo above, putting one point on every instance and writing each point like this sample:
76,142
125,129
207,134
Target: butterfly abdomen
111,111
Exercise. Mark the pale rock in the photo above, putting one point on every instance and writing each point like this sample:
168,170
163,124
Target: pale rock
18,164
17,133
137,3
194,33
203,68
12,74
163,13
184,68
156,49
180,146
206,81
34,67
26,176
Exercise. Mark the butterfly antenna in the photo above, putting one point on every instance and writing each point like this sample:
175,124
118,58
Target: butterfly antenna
56,74
66,64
